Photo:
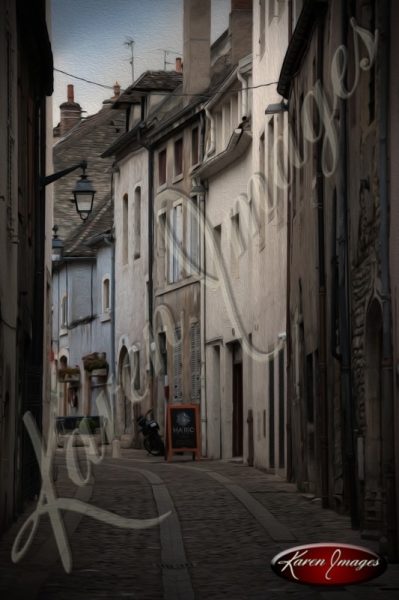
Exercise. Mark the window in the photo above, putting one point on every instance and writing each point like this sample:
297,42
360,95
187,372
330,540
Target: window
175,243
193,225
106,295
137,222
125,234
178,157
194,146
64,312
162,167
161,248
136,369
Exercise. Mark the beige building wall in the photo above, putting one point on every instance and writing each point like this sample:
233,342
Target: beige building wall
269,276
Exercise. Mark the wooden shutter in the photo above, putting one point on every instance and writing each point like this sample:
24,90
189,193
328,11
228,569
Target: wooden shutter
195,362
177,367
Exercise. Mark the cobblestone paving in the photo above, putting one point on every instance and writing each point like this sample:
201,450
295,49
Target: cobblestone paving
227,550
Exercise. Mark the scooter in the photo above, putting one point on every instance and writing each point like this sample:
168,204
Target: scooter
150,429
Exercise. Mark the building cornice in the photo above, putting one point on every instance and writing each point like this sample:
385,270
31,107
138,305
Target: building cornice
299,43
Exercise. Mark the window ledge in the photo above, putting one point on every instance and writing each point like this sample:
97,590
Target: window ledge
177,178
105,317
63,331
162,187
171,287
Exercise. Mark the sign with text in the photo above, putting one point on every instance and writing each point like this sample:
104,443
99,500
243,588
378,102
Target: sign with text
183,429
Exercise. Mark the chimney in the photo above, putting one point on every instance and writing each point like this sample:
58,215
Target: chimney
71,112
197,46
240,29
117,90
179,65
70,93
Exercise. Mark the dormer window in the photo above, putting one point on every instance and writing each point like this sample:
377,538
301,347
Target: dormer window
162,167
194,146
178,157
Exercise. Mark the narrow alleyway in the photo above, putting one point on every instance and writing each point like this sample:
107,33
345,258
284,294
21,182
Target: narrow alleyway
227,522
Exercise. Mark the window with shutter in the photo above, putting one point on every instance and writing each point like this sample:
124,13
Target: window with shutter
177,367
195,362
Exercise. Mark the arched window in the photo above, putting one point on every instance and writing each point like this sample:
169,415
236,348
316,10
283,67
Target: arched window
137,222
125,225
106,297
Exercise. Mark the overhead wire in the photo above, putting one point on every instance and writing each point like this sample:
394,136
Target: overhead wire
167,93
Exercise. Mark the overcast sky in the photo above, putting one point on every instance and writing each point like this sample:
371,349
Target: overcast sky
88,38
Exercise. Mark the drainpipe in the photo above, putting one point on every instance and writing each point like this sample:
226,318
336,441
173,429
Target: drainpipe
202,213
350,478
150,260
244,95
322,292
110,241
388,457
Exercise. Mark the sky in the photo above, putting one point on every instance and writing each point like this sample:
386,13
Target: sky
89,36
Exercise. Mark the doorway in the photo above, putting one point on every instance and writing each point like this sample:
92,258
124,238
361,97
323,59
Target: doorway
238,401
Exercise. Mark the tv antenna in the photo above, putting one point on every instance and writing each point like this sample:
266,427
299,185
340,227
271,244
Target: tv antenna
166,52
130,43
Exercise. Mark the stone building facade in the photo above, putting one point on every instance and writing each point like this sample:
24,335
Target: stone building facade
83,300
340,354
26,79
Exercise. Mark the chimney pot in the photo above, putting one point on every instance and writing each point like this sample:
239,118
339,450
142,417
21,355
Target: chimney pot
179,65
70,94
117,89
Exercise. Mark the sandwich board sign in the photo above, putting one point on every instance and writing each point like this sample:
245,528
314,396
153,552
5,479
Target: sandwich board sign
183,430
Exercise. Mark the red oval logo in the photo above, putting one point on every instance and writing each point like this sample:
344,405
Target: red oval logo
328,564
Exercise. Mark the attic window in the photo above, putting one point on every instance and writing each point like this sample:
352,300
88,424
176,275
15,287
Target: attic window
162,167
194,146
178,157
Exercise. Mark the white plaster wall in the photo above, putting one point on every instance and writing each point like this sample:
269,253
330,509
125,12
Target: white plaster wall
229,310
131,302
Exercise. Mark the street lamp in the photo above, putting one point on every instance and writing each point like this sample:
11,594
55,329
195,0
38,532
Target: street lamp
57,247
83,192
275,109
83,195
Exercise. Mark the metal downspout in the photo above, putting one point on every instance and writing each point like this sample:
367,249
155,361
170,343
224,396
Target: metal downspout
322,292
150,263
349,466
202,213
113,314
388,457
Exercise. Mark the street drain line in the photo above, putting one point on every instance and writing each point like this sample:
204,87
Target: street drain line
176,580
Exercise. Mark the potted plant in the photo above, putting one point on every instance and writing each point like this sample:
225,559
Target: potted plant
96,364
69,375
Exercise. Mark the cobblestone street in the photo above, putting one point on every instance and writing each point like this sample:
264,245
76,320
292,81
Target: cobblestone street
227,523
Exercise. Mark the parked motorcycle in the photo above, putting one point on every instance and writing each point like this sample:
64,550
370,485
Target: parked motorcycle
150,429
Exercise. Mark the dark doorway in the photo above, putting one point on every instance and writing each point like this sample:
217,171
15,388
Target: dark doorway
238,404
